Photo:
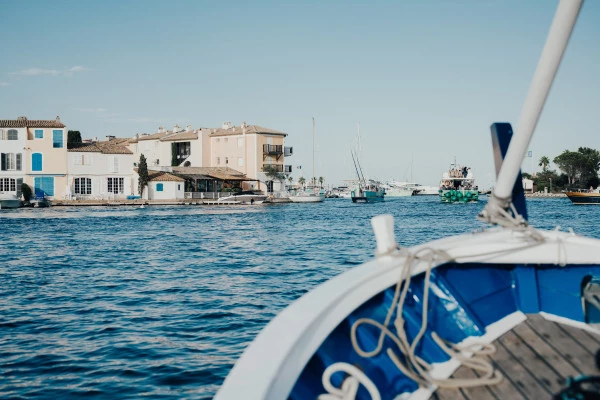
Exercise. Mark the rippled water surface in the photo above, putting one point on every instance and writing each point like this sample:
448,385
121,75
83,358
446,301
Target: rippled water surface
160,302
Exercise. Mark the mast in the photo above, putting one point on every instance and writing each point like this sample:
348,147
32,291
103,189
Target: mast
313,164
558,37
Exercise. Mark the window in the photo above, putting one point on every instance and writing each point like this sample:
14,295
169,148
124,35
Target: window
114,164
13,134
178,187
43,186
36,162
11,161
226,160
218,160
57,139
159,187
115,185
240,162
83,186
240,142
8,185
39,134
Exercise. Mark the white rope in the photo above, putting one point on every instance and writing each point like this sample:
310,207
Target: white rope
349,386
413,366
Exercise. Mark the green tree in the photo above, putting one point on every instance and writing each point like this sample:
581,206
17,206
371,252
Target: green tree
290,180
73,138
321,180
544,162
26,192
580,166
301,181
143,175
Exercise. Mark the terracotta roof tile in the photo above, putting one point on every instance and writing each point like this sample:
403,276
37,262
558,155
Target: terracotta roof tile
185,135
99,147
255,129
23,122
160,176
222,173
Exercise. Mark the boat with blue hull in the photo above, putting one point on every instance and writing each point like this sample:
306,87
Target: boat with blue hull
425,319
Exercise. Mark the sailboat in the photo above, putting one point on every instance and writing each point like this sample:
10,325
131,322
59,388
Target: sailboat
310,195
506,312
367,191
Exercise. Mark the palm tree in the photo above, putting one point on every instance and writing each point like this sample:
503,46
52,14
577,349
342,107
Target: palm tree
314,181
301,181
544,162
321,180
290,180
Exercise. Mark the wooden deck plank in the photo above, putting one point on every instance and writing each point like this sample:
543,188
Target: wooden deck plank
538,368
581,337
553,359
505,389
571,351
474,393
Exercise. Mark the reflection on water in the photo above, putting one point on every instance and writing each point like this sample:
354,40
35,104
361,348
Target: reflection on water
129,302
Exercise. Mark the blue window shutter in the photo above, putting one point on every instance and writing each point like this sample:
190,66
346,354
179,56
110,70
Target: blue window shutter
36,162
43,186
57,139
49,186
39,133
159,187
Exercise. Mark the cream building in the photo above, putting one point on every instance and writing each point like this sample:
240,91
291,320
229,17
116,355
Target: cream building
39,149
249,149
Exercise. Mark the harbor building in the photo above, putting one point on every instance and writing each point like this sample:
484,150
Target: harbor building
34,152
250,149
100,170
13,141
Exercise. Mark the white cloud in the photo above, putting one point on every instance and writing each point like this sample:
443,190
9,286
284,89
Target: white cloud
51,72
35,71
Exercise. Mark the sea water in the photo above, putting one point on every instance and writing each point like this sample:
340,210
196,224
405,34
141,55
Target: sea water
122,302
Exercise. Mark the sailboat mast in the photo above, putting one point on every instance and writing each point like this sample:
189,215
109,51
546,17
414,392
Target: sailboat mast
313,163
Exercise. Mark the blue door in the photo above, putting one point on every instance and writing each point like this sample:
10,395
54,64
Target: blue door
43,186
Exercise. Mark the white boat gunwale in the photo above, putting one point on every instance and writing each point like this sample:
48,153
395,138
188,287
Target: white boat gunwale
286,344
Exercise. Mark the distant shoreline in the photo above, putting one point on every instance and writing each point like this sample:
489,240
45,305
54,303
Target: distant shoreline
545,195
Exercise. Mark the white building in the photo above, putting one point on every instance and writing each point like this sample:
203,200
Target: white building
178,147
527,185
13,142
100,170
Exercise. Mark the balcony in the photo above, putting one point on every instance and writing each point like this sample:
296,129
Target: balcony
276,167
288,151
272,150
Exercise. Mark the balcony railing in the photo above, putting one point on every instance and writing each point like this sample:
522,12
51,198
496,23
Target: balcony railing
272,149
288,151
275,167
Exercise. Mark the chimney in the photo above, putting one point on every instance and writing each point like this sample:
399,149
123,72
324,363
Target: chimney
244,127
188,128
57,119
161,129
110,137
22,118
226,125
95,138
137,136
176,128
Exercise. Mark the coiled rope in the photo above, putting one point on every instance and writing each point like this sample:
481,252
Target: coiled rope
471,356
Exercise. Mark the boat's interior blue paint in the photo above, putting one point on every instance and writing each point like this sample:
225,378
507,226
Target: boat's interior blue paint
525,280
463,300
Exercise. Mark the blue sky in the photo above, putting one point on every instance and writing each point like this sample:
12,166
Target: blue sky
425,79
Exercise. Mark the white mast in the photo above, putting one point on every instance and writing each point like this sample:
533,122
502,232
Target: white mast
558,37
313,165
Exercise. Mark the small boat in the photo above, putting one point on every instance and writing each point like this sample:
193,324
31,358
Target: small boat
9,200
247,197
458,185
41,202
422,321
366,191
307,196
584,197
399,189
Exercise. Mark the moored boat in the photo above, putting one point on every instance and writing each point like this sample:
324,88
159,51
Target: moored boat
247,197
308,196
9,200
367,193
584,198
458,185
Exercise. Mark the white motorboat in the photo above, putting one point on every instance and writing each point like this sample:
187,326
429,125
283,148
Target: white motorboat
308,196
399,189
244,198
9,200
423,320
